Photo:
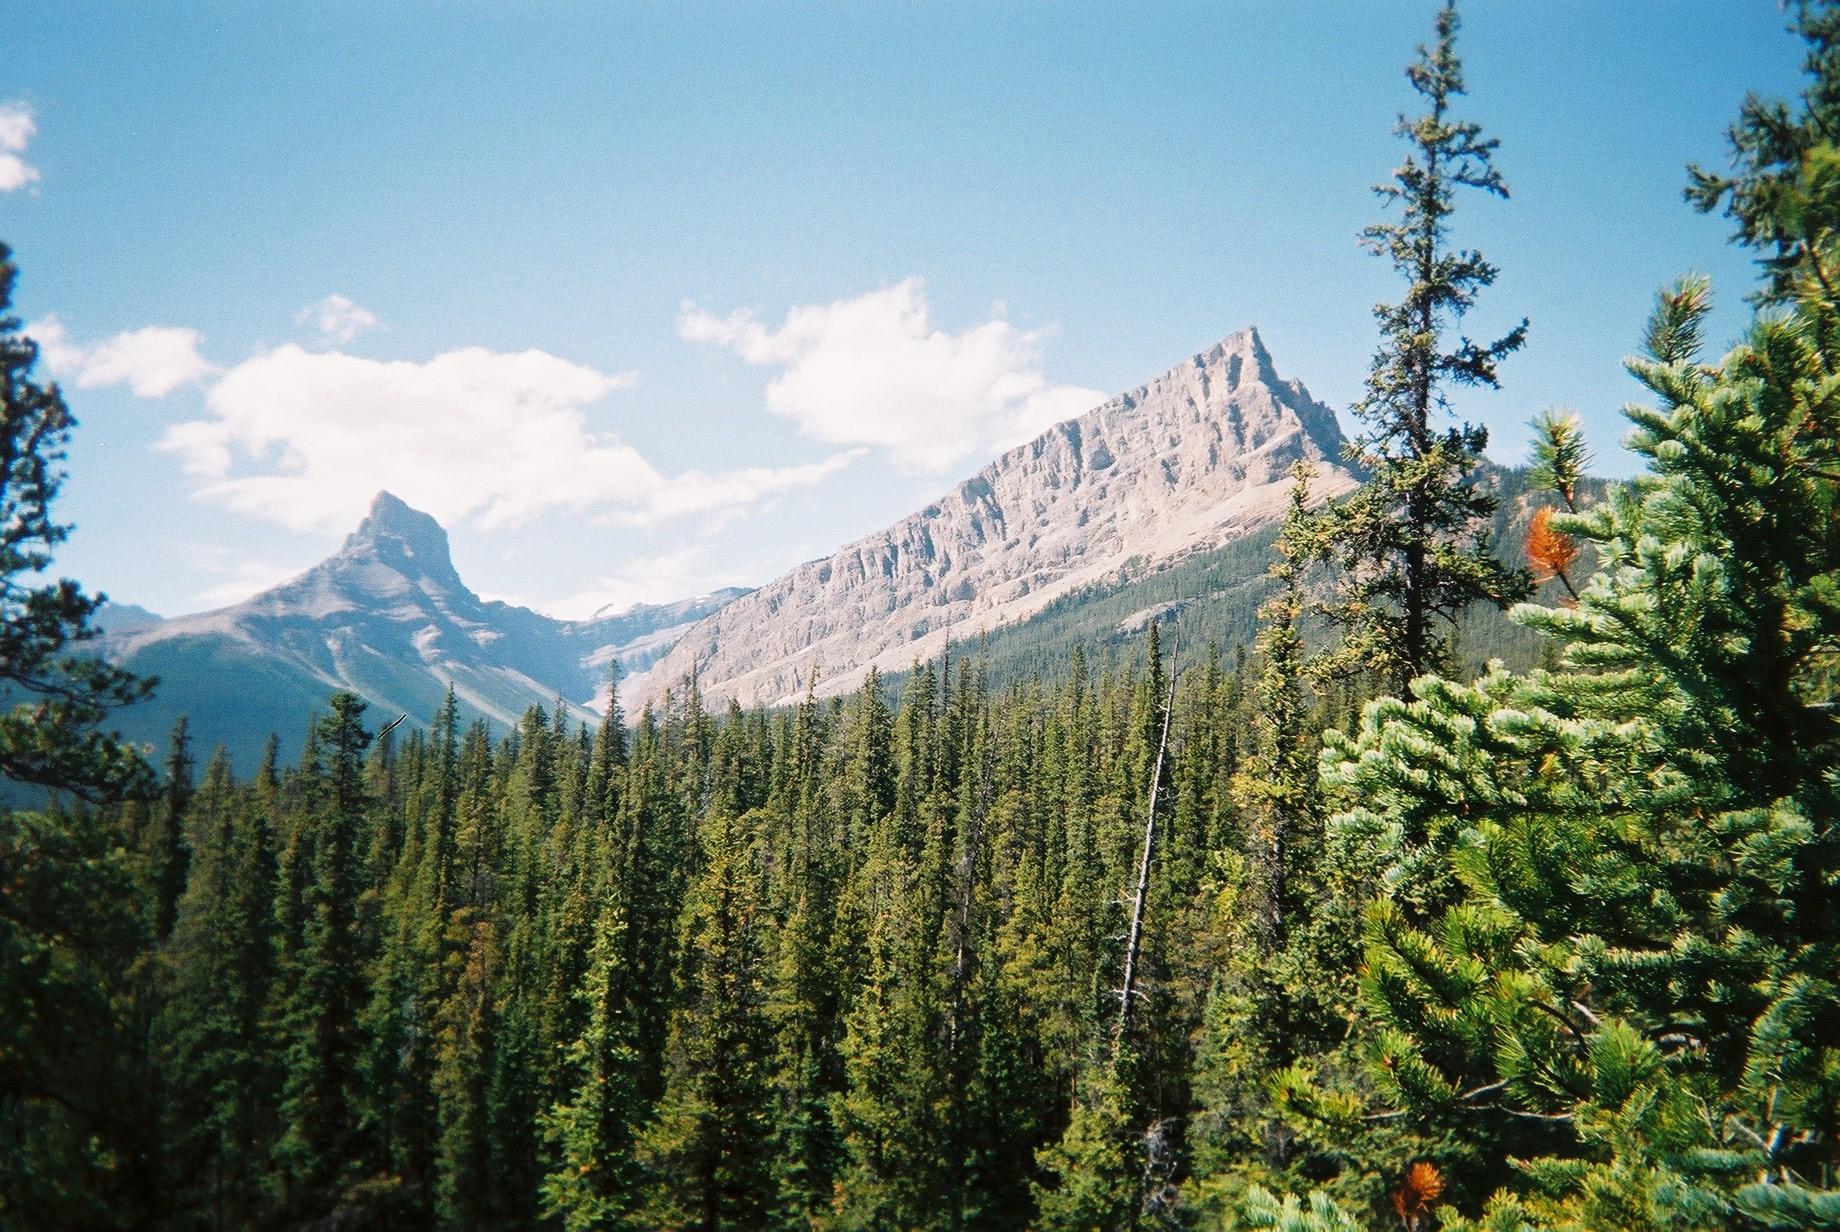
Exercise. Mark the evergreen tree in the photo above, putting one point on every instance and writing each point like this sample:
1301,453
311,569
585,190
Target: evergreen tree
1099,1162
70,916
1641,949
52,698
891,1114
466,1015
167,853
1781,193
1409,549
596,1182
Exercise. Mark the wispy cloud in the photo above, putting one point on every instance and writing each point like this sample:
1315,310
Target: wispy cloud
17,128
337,318
650,579
238,578
874,370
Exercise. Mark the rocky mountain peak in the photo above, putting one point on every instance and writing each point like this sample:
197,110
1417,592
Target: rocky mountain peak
1195,457
403,537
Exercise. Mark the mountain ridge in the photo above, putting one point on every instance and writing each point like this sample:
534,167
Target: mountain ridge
1192,458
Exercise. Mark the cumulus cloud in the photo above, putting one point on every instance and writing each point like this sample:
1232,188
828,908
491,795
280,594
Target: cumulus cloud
56,347
152,361
17,128
337,318
305,438
875,371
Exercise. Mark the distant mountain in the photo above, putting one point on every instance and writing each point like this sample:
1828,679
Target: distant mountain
388,618
113,617
1189,463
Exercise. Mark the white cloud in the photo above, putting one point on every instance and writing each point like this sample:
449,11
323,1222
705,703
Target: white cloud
306,438
337,318
152,361
873,370
702,492
17,128
664,578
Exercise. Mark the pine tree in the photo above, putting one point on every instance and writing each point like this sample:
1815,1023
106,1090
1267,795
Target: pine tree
52,697
1787,214
1098,1164
70,928
465,1016
1641,950
891,1113
167,853
1409,550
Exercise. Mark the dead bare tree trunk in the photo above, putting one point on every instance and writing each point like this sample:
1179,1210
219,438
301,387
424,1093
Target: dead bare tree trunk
1135,942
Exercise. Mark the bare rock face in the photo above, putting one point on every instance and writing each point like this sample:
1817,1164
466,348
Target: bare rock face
1194,458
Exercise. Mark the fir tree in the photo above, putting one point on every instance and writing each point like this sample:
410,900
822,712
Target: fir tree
1409,549
1640,949
168,853
1780,209
52,697
70,927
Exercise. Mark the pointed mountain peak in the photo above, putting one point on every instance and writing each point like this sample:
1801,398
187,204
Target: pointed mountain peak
394,529
1243,344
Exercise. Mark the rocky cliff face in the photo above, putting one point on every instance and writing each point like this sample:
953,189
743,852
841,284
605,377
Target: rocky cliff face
388,618
1189,461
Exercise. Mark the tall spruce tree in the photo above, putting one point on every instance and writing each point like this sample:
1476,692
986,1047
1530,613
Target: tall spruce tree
221,1067
593,1133
168,853
320,1151
1641,949
1409,550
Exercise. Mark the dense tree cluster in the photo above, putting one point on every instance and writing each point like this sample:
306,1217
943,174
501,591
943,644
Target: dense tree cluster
848,965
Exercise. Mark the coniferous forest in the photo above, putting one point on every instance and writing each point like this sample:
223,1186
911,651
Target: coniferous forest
1302,935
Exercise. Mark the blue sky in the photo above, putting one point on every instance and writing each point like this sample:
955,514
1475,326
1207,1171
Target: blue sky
645,299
